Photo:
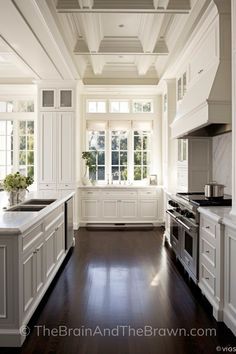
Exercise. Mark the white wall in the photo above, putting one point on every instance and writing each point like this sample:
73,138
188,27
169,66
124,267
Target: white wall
222,160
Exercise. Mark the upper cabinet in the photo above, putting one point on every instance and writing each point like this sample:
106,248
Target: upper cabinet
56,99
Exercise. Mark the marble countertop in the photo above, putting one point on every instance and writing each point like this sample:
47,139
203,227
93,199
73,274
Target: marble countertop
13,222
220,214
217,213
117,186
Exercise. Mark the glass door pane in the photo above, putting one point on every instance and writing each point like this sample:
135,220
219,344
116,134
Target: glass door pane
48,98
65,98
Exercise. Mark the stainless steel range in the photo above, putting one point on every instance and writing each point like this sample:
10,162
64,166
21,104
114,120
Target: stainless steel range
184,227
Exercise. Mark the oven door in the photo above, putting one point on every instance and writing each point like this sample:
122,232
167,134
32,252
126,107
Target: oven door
175,233
189,248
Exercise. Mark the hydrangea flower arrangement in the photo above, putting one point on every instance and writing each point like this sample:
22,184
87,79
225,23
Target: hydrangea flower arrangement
16,182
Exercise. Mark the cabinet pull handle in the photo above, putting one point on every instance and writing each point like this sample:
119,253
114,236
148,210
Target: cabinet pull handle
66,185
207,227
207,251
200,71
34,252
56,228
90,192
207,278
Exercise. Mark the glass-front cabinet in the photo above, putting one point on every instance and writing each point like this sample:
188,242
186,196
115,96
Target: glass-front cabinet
54,99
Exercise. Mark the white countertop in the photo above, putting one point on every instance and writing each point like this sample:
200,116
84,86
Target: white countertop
217,213
13,222
124,186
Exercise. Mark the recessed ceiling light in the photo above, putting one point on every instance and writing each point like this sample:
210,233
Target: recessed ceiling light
121,25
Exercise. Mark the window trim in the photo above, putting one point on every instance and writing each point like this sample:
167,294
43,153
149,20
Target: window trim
119,100
143,101
96,100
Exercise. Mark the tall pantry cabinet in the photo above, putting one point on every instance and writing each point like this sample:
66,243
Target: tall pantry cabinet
56,139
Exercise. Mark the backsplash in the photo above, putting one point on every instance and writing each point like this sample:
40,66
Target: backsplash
222,160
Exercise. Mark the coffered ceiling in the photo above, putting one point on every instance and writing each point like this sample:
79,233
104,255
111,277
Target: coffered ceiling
118,39
97,41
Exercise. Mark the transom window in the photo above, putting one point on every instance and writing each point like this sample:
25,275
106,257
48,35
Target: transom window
119,106
142,106
96,106
16,106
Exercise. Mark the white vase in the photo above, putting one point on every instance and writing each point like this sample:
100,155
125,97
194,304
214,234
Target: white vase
12,197
85,178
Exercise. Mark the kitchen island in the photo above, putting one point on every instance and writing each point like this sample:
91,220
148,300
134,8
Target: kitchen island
32,249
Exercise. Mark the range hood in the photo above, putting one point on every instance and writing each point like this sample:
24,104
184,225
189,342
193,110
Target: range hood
206,109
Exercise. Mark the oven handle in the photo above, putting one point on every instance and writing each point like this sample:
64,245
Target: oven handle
183,224
171,214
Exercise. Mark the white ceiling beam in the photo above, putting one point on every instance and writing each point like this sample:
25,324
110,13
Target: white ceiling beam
92,35
120,47
123,6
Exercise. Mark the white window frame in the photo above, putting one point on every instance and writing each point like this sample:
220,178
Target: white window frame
119,101
96,100
142,101
130,158
16,148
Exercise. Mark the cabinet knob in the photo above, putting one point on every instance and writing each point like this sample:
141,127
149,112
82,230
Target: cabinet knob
200,71
207,251
207,278
56,228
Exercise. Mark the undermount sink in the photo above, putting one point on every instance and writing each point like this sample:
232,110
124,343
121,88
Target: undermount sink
27,208
39,202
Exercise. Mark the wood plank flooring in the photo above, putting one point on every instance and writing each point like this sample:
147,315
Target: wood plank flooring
123,278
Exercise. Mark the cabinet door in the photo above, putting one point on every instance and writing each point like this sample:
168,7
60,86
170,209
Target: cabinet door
50,252
230,276
148,209
65,99
39,262
90,209
48,99
60,241
47,149
128,209
65,150
110,209
28,281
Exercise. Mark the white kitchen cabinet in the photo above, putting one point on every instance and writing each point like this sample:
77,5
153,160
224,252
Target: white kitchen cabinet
47,150
56,147
119,205
229,279
194,164
28,281
211,258
56,99
50,253
65,128
128,209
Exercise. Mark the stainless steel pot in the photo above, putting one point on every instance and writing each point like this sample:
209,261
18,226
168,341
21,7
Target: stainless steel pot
214,190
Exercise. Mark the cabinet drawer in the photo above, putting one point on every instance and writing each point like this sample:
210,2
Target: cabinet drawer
47,186
54,218
90,193
119,194
207,278
208,226
31,237
148,193
66,186
208,251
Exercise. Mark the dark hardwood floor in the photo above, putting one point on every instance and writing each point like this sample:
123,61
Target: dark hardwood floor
123,278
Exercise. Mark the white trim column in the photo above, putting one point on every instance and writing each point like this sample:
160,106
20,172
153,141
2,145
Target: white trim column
233,22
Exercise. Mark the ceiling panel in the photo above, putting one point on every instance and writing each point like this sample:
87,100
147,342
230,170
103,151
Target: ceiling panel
117,25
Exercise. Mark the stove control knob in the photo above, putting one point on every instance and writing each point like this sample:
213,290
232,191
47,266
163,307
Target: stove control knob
189,215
